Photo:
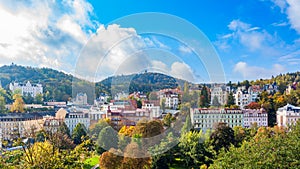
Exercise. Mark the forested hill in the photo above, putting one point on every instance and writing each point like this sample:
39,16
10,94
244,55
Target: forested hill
144,82
58,85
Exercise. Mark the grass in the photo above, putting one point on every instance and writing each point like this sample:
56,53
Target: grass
91,162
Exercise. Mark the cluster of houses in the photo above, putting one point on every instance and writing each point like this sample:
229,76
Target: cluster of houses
124,110
242,95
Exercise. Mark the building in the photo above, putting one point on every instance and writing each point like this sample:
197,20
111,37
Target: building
27,88
21,124
244,97
205,119
255,116
80,99
170,99
52,124
154,108
73,118
0,136
287,115
221,93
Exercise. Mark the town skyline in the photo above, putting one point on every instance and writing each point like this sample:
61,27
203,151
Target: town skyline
243,39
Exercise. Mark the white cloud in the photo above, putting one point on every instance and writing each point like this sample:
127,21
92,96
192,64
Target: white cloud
252,38
185,50
294,14
254,72
44,33
291,8
182,71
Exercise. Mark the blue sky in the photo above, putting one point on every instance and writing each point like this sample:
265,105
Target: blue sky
253,38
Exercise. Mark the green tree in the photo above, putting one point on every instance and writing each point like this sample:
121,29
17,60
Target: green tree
78,133
28,99
215,102
95,129
108,138
222,137
39,98
192,148
204,97
230,100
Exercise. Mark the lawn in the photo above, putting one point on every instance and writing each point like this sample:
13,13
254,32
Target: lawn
91,162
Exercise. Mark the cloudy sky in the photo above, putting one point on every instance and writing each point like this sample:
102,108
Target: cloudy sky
252,38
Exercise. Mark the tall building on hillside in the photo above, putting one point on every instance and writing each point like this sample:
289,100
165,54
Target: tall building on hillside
287,115
221,93
28,88
81,99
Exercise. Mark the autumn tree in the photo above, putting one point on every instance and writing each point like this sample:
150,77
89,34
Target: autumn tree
18,105
168,119
135,157
110,159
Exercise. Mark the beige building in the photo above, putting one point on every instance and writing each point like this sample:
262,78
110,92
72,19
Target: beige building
20,124
255,116
287,115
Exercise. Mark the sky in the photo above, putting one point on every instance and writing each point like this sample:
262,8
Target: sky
93,39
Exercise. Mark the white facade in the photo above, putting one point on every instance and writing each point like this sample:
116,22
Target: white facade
27,88
81,99
221,92
255,116
244,97
73,118
154,110
171,99
287,115
0,137
205,119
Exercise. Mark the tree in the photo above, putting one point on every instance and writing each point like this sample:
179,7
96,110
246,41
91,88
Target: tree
63,128
192,148
230,100
2,104
204,99
149,128
222,137
39,98
163,104
153,96
168,119
108,138
215,102
253,105
18,105
28,99
110,159
95,129
78,133
187,125
135,157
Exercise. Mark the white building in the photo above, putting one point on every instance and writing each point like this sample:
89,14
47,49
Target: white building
205,119
80,99
244,97
221,93
0,137
154,108
255,116
73,118
287,115
27,88
171,99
